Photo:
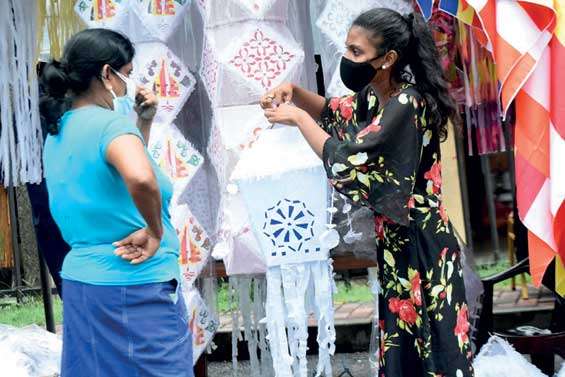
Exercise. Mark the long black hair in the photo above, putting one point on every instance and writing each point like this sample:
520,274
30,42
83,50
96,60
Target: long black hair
83,58
412,40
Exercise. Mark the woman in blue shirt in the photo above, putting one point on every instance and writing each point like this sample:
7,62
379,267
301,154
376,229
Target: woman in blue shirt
122,313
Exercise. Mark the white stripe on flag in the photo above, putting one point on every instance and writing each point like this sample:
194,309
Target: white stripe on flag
538,85
539,219
556,170
515,26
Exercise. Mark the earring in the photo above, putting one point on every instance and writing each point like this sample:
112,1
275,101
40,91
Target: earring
383,67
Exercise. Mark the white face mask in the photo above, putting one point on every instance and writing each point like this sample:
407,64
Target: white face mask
124,104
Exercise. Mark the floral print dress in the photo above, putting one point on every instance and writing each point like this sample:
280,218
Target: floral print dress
389,160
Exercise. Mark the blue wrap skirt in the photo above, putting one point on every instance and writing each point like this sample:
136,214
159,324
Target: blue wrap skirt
125,331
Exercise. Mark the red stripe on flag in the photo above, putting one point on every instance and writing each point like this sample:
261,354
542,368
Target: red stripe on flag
558,77
540,15
529,181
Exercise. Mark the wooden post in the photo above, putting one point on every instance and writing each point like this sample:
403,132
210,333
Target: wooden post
6,252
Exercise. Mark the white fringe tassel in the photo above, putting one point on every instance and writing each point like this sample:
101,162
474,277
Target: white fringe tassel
20,133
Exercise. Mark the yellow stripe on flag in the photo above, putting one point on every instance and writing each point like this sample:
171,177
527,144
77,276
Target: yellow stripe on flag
559,6
559,276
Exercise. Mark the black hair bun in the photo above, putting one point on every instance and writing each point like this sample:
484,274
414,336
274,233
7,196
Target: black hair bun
55,79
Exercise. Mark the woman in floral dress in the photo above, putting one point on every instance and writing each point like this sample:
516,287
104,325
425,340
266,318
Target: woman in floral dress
381,148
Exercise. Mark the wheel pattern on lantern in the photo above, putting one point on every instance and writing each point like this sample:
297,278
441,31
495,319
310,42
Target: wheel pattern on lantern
289,225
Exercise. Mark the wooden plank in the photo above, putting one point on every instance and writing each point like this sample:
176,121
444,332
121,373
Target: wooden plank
6,252
341,263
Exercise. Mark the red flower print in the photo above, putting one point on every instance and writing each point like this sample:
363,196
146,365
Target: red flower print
443,253
411,202
407,312
443,214
416,292
443,295
374,127
434,174
394,304
334,103
462,327
346,108
380,227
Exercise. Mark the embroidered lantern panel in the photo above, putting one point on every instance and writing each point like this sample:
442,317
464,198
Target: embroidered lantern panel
175,155
337,88
285,191
109,14
157,68
161,17
336,18
260,56
202,322
195,245
217,13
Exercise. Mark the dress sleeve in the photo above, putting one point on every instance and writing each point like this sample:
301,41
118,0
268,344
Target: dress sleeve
377,166
117,127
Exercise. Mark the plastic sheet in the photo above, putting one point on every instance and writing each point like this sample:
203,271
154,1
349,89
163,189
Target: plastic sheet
499,359
29,352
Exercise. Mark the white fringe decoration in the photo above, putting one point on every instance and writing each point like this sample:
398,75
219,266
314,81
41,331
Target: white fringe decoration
20,132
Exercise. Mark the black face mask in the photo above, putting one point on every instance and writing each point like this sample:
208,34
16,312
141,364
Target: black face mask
356,76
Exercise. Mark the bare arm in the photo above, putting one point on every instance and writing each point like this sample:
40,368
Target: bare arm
304,99
308,101
127,154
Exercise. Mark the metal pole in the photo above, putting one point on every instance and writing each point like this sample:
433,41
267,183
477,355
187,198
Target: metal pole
489,187
46,294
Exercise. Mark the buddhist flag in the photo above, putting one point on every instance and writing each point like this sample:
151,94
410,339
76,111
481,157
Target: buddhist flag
526,40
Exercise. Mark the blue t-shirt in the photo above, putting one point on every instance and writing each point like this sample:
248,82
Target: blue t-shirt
91,205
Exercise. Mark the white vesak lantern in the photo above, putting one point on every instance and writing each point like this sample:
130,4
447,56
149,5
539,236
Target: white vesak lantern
195,245
161,17
157,68
175,155
217,13
108,14
260,56
202,322
285,191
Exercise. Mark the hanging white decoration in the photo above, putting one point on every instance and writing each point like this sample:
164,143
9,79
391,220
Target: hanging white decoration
20,131
217,13
175,155
288,222
195,245
259,57
202,322
108,14
161,17
163,72
337,16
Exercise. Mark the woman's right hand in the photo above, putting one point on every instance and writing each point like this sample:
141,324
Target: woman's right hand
281,94
138,246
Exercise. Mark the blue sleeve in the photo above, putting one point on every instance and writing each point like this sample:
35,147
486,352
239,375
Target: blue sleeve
117,127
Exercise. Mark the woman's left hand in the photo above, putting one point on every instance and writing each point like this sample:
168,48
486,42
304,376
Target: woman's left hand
146,103
285,114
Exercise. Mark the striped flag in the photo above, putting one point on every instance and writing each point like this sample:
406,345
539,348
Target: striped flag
530,62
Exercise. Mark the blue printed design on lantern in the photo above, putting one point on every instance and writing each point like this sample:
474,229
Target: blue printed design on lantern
289,225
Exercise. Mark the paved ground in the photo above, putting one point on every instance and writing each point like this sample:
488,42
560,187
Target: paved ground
344,365
506,301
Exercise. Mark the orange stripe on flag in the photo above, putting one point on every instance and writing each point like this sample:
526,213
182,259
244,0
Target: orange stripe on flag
532,132
541,256
529,181
515,80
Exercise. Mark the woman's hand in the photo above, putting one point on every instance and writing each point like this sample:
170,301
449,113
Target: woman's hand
286,114
281,94
146,104
138,246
